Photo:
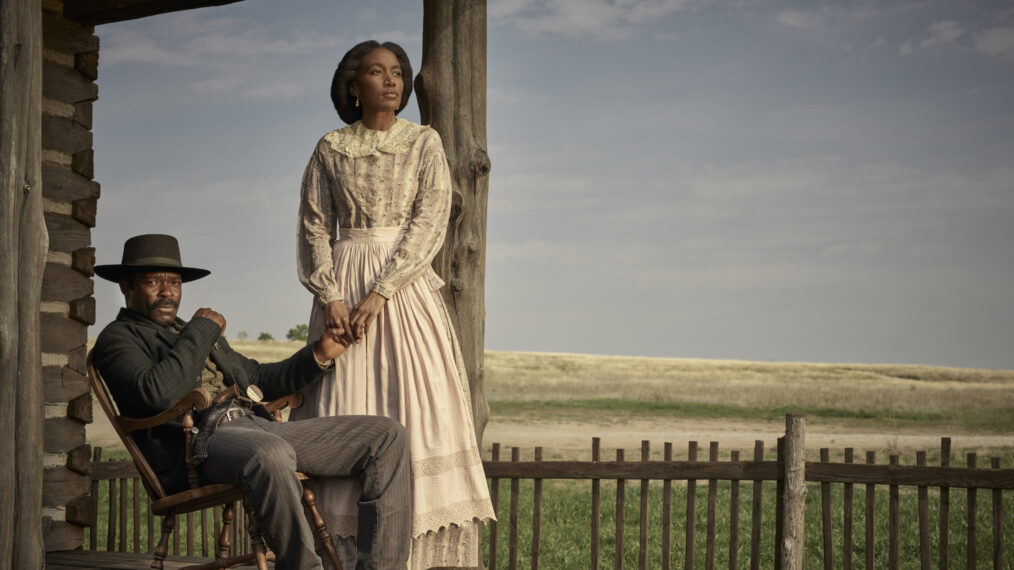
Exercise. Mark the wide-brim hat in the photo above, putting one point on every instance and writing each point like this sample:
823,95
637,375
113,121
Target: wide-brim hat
150,252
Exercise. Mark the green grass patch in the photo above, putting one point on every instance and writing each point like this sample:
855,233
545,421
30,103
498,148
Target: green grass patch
566,524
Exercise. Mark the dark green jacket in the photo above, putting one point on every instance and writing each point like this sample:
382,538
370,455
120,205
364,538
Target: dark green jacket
148,368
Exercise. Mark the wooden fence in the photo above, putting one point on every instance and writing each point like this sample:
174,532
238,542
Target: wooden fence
788,543
129,527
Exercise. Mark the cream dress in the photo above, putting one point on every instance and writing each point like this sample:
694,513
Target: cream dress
372,216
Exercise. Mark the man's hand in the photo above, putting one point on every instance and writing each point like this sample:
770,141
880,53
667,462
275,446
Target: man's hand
210,314
364,313
331,345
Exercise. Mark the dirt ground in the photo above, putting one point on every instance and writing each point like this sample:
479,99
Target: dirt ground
572,440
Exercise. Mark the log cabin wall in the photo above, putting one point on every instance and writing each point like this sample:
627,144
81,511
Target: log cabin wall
70,195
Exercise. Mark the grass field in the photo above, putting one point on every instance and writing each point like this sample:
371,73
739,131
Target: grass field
529,385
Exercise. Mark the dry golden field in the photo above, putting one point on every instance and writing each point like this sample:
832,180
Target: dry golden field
547,377
902,388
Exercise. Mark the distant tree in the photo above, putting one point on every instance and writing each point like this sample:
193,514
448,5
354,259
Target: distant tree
299,333
241,335
265,336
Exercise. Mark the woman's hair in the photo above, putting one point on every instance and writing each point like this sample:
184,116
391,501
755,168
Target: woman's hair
348,67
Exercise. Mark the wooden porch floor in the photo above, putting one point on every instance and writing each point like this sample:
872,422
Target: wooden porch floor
97,559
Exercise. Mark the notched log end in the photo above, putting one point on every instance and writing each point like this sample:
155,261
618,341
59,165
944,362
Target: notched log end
79,459
83,260
83,310
80,409
81,511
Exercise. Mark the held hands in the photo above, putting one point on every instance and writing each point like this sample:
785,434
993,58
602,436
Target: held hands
347,327
217,318
336,321
364,313
330,346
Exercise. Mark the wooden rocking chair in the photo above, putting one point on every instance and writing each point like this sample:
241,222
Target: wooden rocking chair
200,497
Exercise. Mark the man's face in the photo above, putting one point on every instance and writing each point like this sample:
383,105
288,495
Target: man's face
155,295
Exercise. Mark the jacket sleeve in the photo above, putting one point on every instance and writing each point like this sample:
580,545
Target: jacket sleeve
141,383
278,379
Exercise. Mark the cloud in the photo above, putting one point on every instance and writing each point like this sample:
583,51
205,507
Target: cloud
248,83
801,20
135,46
397,36
943,34
188,40
274,90
825,17
606,19
997,42
501,9
217,86
232,51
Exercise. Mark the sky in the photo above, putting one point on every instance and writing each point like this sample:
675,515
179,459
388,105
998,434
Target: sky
733,179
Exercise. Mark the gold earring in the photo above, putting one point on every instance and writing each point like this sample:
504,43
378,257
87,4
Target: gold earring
357,101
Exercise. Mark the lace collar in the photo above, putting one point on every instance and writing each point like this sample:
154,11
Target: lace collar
355,140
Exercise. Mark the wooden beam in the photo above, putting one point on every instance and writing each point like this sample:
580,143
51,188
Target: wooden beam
22,261
95,12
451,90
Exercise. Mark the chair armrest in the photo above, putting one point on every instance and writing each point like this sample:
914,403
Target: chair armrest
197,399
293,401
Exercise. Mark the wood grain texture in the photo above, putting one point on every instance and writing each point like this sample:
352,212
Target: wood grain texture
83,310
78,459
62,435
61,283
64,135
794,533
80,409
81,510
62,184
451,90
22,260
64,485
61,334
62,384
67,84
67,36
66,234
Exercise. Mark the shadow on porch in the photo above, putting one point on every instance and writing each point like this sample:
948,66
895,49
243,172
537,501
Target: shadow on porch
96,559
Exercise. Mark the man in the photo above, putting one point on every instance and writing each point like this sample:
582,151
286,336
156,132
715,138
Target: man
150,359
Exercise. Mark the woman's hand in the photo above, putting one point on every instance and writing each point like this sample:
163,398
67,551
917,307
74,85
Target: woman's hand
364,313
336,319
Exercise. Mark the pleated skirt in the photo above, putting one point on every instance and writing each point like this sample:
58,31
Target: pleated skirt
408,367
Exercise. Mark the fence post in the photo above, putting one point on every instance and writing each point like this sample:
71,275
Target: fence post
794,533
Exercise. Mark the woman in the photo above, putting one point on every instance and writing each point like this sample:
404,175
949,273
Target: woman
385,184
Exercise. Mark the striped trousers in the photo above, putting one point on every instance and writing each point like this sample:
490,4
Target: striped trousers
263,456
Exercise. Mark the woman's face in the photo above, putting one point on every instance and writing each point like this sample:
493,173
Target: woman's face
378,83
